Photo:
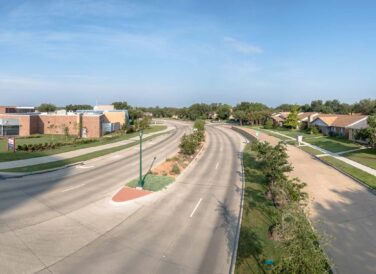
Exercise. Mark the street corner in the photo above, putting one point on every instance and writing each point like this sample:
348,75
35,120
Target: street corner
127,194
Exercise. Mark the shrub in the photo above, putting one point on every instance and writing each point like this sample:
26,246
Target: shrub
188,144
199,125
175,169
268,124
314,130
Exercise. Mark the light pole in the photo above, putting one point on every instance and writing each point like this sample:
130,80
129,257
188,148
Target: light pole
140,181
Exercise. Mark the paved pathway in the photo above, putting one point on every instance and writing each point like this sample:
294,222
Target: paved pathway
336,155
73,153
339,207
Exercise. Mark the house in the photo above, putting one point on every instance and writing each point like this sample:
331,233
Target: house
340,124
306,118
279,118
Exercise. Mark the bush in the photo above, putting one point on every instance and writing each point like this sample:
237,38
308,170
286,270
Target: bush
199,125
314,130
175,169
268,124
188,144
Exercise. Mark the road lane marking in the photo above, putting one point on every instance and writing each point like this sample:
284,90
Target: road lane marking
216,166
72,188
84,167
194,210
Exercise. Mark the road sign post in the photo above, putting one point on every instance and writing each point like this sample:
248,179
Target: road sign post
12,144
141,181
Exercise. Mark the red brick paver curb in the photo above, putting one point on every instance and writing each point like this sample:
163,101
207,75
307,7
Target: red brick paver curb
127,194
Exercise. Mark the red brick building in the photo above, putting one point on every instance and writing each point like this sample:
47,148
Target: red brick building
80,125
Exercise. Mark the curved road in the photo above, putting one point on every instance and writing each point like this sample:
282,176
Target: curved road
63,222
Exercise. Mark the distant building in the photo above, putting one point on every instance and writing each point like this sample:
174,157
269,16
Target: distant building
104,107
12,109
83,123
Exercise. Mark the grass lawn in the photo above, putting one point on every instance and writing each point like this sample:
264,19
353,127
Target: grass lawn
362,176
310,150
77,159
366,157
255,245
332,144
19,155
153,182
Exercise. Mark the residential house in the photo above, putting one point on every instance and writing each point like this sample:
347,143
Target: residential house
279,118
340,124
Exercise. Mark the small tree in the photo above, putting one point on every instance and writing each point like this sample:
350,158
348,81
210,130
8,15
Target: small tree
224,112
46,107
199,125
292,120
188,144
372,129
268,124
301,252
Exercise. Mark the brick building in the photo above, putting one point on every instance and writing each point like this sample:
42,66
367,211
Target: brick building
80,125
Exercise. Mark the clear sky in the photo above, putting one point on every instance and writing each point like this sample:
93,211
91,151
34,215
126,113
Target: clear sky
177,52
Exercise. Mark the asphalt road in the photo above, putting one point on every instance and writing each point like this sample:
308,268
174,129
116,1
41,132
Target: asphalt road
63,222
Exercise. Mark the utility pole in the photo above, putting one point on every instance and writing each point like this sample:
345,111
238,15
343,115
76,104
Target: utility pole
141,181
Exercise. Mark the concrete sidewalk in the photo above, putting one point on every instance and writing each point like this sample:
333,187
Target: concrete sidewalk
74,153
335,155
340,208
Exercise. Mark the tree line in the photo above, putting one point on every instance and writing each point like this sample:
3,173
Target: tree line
244,112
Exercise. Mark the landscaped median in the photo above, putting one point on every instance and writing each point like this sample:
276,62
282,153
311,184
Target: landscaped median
165,173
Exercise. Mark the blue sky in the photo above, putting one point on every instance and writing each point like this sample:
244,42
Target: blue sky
179,52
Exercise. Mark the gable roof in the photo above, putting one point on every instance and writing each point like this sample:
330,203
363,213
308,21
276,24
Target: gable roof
339,120
304,115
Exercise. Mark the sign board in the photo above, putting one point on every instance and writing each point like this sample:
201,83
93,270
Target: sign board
12,144
257,134
299,138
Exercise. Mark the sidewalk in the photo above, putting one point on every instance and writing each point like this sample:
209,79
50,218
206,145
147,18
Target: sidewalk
74,153
334,155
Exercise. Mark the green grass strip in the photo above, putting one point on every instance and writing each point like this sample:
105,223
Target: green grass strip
311,150
153,182
85,157
354,172
255,245
6,156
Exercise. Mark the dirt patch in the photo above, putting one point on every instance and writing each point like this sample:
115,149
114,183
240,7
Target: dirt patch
173,166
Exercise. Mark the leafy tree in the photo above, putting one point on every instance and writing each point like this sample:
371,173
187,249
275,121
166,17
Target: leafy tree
224,112
371,130
269,124
241,116
285,107
292,120
199,125
188,144
46,107
121,105
366,106
78,107
301,252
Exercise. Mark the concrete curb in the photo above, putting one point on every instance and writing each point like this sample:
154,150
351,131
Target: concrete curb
20,175
235,250
164,189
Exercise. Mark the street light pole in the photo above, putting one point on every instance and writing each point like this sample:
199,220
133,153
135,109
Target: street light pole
140,181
